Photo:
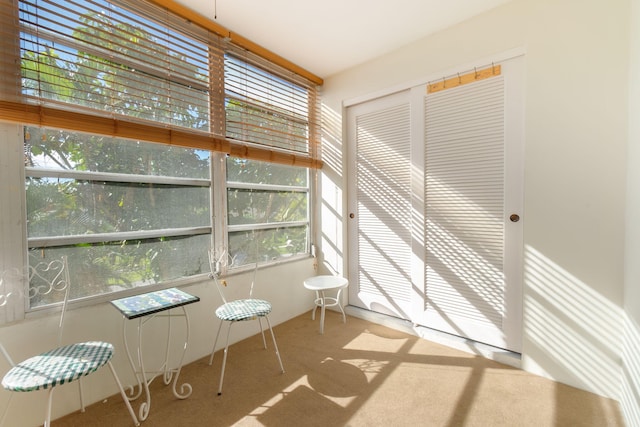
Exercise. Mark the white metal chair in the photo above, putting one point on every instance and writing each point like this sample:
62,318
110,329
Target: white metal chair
65,363
239,310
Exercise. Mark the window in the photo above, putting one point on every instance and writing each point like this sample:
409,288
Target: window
124,107
125,213
267,211
267,204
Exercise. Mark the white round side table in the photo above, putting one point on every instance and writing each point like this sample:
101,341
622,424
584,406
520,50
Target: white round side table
322,284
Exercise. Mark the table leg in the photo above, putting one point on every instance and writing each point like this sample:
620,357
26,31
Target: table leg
185,388
339,302
130,388
315,306
322,312
168,374
145,406
139,373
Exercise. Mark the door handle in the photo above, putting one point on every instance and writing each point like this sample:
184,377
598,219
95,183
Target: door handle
514,218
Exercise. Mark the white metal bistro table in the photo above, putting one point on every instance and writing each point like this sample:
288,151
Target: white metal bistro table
322,284
145,307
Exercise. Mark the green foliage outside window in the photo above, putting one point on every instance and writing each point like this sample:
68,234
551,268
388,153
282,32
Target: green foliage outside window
269,204
83,207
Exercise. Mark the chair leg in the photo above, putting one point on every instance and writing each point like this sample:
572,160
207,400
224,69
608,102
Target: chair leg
47,421
124,395
81,395
215,343
275,345
224,359
264,341
6,409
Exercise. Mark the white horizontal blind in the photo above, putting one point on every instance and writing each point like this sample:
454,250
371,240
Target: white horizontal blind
464,167
267,105
384,204
101,56
133,69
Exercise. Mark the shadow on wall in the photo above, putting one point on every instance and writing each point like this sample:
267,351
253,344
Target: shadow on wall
332,181
570,328
630,395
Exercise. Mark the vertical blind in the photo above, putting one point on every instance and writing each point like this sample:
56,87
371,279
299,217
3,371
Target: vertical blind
135,70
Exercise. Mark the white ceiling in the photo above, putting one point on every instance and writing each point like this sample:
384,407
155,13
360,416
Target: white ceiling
329,36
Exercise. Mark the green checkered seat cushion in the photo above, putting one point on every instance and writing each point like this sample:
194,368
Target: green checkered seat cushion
243,309
58,366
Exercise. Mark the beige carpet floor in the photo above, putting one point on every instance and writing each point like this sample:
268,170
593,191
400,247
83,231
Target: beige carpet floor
358,374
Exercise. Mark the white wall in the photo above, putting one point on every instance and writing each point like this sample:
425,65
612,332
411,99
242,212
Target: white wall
630,398
575,162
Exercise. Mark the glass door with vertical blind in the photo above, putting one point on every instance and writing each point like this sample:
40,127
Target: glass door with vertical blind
436,206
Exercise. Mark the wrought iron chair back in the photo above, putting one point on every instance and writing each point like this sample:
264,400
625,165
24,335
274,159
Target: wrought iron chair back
50,284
